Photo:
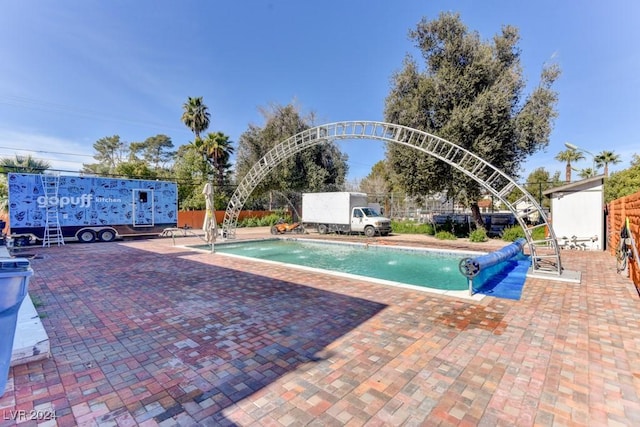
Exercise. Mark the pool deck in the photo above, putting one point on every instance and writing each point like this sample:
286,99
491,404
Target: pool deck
146,333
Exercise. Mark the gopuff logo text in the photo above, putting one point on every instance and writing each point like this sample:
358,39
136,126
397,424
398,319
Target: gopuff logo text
83,201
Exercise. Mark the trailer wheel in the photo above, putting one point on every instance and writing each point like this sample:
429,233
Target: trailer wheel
86,236
323,229
22,241
107,236
369,231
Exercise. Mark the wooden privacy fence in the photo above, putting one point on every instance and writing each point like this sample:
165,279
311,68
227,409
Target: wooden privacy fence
619,210
195,219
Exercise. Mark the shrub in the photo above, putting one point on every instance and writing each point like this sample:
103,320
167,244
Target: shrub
272,218
511,234
478,235
445,235
249,222
411,227
265,221
539,233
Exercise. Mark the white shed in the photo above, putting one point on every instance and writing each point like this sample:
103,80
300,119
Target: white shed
577,213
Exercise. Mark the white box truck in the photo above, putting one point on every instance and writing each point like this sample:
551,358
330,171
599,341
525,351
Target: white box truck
88,208
342,212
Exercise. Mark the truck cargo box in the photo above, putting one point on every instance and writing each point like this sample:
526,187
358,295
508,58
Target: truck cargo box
330,208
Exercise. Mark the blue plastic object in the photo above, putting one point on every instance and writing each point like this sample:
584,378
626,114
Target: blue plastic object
471,267
14,284
499,273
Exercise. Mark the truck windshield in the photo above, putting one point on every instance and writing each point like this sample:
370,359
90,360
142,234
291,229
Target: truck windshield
370,212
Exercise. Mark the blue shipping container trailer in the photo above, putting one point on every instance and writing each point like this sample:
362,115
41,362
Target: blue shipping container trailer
88,208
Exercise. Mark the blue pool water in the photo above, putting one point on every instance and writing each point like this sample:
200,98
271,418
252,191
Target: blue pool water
436,270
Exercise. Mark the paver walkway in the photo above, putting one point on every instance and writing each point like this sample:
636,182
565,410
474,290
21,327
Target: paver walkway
147,333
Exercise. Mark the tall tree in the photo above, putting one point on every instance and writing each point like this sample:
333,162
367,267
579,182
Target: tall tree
540,180
23,164
318,168
470,93
606,158
187,170
196,115
156,151
217,149
135,169
110,151
377,182
569,155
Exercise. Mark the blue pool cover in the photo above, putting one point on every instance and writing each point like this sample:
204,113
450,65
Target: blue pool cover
501,273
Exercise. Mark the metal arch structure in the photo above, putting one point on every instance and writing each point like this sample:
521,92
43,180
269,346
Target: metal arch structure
545,253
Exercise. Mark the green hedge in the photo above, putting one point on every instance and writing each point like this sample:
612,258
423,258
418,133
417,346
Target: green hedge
411,227
265,221
512,233
478,235
445,235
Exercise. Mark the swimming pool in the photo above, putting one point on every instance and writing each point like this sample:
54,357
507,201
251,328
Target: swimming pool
417,267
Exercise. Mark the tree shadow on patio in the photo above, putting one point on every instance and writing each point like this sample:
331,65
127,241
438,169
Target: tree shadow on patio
185,338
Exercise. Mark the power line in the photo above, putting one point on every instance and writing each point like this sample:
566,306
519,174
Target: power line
46,152
41,159
184,181
20,101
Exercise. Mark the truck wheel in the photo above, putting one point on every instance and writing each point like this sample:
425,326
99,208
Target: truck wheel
86,236
369,231
107,236
323,229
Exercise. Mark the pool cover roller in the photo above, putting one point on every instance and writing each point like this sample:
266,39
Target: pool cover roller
471,267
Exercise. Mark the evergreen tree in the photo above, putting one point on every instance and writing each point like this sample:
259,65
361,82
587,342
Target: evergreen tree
110,151
470,93
318,168
624,182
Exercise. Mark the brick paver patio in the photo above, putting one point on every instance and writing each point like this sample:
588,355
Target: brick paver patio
147,333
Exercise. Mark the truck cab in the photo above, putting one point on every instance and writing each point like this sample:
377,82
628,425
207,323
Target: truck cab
367,220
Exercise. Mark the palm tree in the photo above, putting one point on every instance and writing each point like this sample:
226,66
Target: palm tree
586,173
606,158
23,164
195,116
217,148
569,155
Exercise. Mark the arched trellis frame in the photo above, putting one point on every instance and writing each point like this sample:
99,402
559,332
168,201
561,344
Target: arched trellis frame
545,253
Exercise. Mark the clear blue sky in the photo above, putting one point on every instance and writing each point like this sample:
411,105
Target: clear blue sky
72,72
